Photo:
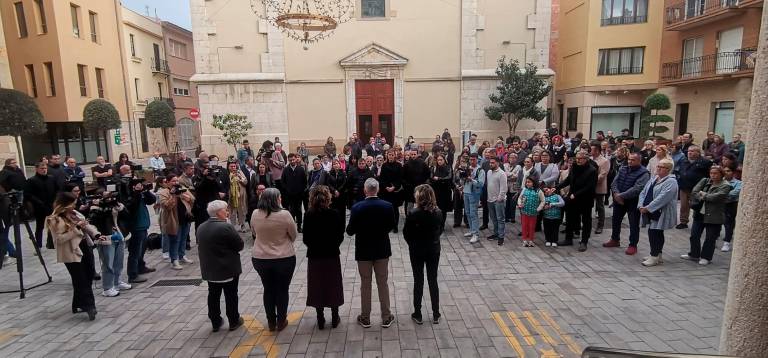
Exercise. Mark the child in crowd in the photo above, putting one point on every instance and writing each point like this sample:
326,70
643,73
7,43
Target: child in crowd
530,202
552,207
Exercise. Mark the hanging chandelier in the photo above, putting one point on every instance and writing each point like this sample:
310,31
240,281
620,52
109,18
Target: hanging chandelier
305,21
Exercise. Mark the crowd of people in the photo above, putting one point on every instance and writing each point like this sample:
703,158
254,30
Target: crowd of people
545,182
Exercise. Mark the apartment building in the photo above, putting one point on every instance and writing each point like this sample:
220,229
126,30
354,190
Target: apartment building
398,67
708,59
181,60
608,62
64,54
148,76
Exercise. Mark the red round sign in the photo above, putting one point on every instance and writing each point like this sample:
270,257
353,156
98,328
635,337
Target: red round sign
194,113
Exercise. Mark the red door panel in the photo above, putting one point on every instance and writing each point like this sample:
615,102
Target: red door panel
375,102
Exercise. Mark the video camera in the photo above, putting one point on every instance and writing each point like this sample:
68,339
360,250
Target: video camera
104,202
464,173
146,186
214,168
178,189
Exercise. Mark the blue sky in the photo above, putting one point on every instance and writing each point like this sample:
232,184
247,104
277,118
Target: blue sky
175,11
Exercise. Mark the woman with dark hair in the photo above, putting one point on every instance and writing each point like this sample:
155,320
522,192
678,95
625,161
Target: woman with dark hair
450,150
335,180
274,258
441,181
123,160
422,230
73,236
323,234
708,199
391,181
330,148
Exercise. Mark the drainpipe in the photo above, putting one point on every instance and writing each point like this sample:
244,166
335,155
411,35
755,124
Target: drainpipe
126,82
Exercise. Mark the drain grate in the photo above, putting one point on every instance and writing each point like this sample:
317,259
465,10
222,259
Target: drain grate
178,282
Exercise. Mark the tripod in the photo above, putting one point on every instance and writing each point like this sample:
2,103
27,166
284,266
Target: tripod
15,214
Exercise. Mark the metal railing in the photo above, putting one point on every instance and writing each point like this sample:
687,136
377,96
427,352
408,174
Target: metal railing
169,101
623,20
718,64
691,9
159,66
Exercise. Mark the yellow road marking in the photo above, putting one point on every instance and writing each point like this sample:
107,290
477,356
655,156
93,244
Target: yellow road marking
260,337
7,335
521,328
508,333
539,329
568,340
549,353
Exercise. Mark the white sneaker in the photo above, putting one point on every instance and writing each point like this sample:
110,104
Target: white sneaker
703,262
467,234
175,265
112,292
554,244
186,260
651,261
473,239
548,244
123,286
166,256
726,247
686,257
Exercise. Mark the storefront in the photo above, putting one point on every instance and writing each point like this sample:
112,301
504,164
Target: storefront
67,139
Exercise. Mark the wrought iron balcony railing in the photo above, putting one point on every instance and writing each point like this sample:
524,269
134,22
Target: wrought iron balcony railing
719,64
623,20
686,10
159,66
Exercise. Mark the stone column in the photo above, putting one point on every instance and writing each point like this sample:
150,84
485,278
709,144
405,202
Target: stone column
745,322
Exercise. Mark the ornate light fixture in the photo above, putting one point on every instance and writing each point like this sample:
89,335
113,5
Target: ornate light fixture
306,21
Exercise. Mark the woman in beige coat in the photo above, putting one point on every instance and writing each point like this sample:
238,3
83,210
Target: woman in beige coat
73,236
175,206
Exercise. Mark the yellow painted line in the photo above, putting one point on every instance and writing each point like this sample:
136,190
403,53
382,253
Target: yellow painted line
5,336
522,329
568,340
508,333
260,337
539,329
549,353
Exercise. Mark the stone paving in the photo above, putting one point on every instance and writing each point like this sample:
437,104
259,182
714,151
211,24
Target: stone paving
505,301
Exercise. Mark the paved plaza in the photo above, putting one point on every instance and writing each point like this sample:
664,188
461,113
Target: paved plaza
496,301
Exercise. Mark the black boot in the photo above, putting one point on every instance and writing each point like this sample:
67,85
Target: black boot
320,319
335,319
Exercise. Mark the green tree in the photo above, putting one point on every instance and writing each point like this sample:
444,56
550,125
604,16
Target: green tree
19,116
100,115
234,128
160,115
519,94
649,125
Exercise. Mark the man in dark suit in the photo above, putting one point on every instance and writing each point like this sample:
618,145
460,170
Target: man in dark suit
219,246
370,221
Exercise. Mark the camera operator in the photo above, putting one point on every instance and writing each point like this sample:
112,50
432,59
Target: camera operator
74,173
40,191
103,212
137,224
11,178
207,189
176,205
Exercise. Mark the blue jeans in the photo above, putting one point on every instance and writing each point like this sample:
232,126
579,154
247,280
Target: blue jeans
173,246
164,243
111,263
497,217
470,207
136,252
6,239
183,235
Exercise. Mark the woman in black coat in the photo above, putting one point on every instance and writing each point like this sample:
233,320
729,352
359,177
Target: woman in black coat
442,183
422,230
323,234
335,180
391,184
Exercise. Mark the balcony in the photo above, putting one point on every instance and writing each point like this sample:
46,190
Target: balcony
623,20
688,14
740,63
159,66
164,99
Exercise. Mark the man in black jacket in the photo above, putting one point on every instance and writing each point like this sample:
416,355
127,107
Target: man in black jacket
692,169
219,246
137,222
40,190
415,173
207,189
370,221
582,181
56,170
11,178
294,181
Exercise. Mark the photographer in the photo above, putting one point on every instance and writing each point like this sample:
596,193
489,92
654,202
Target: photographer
206,184
175,217
138,223
74,173
11,178
104,209
40,191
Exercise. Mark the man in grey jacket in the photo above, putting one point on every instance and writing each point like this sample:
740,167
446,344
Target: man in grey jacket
496,179
626,188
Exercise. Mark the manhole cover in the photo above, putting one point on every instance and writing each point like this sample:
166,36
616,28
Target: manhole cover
178,282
